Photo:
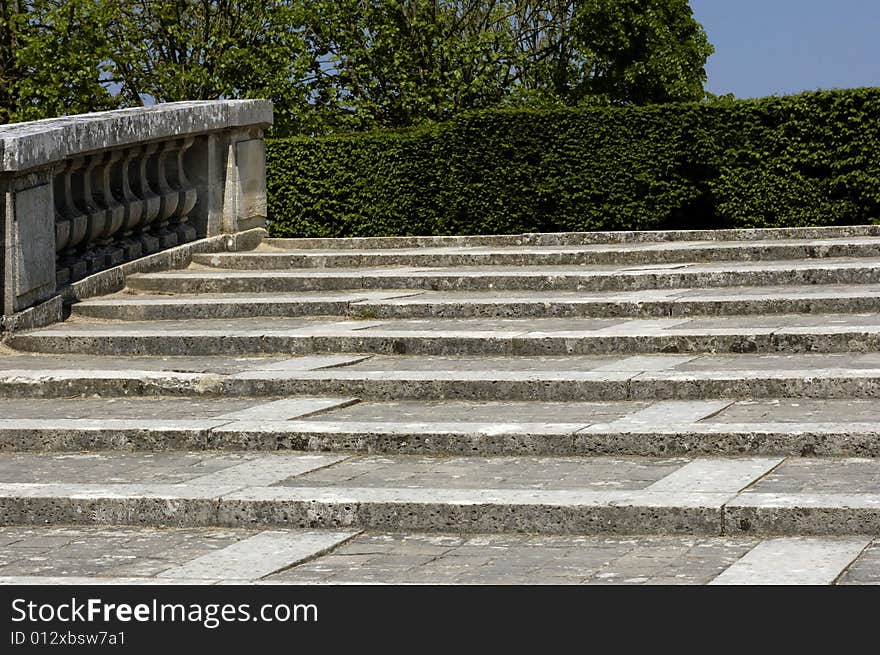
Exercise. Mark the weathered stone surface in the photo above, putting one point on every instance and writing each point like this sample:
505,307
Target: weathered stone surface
84,194
824,299
258,556
831,333
639,254
35,144
581,238
126,555
593,279
793,561
504,401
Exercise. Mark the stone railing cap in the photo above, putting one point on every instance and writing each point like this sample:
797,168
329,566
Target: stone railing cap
24,146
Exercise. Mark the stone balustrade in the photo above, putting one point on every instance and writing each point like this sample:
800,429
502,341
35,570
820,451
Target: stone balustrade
82,194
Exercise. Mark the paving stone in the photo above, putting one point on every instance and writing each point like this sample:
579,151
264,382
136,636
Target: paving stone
259,556
447,558
117,552
865,569
801,410
494,473
793,561
554,560
832,476
720,475
498,413
103,409
289,408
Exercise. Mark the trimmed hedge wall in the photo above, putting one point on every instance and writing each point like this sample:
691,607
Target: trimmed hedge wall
805,160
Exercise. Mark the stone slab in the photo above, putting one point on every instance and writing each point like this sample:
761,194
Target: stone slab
836,476
203,469
34,247
793,561
798,411
389,429
310,363
717,475
78,581
111,553
415,378
378,558
266,470
132,306
494,472
288,408
498,413
670,412
94,413
258,556
142,555
865,570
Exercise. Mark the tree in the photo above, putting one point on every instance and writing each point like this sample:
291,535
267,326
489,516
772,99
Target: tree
388,63
338,65
640,51
169,50
9,74
393,63
53,55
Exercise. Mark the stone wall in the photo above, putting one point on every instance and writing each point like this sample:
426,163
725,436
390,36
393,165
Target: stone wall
82,194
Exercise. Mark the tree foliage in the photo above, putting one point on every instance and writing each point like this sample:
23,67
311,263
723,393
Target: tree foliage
53,57
395,64
339,65
210,49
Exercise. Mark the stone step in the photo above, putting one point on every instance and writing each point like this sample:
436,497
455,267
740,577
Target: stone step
127,306
196,280
645,428
568,378
557,495
579,238
789,333
266,257
83,555
428,304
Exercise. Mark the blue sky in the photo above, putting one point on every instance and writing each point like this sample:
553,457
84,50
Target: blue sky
776,47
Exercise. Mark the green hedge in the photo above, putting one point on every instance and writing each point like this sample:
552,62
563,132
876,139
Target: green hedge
810,159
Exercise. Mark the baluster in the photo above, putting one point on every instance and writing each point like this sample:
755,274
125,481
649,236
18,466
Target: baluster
168,195
187,195
114,211
152,201
134,207
77,222
62,234
96,217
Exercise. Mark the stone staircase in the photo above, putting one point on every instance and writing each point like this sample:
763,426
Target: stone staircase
719,387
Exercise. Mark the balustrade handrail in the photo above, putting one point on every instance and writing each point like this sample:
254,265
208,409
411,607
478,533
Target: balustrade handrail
33,144
80,194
